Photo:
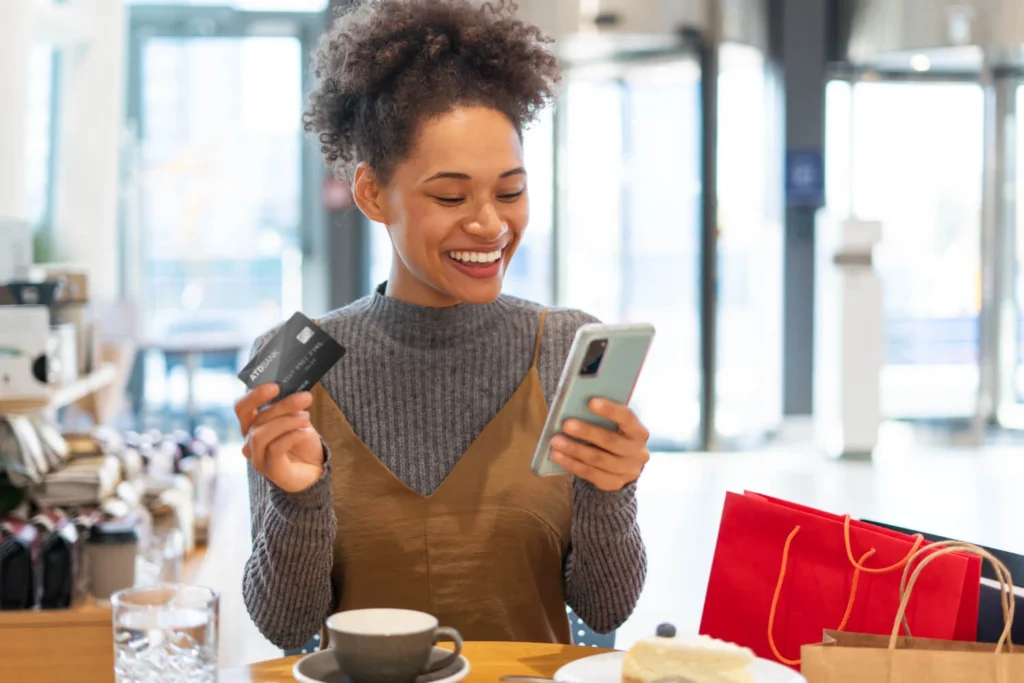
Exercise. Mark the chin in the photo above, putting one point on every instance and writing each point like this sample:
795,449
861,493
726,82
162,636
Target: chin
480,293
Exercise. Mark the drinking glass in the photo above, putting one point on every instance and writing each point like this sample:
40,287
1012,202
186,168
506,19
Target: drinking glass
165,634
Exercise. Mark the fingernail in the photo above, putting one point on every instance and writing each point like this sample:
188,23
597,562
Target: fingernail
558,442
572,426
557,456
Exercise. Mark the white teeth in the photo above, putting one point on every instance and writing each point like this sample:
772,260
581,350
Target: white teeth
475,256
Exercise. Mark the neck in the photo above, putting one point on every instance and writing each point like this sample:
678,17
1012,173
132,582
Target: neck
434,326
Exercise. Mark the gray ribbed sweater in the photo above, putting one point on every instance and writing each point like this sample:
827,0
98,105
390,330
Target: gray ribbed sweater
417,385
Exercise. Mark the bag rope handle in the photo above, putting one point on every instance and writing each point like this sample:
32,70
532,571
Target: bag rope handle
858,568
932,552
918,541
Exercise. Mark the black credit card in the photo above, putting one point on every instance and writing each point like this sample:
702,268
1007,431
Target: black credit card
296,357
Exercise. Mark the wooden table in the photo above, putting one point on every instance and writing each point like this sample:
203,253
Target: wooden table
488,662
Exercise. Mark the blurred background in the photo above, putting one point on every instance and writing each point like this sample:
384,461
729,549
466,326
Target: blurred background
814,201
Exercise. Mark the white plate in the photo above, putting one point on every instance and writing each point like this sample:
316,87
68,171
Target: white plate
607,668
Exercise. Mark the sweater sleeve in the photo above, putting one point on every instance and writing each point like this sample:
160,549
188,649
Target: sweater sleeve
606,565
287,580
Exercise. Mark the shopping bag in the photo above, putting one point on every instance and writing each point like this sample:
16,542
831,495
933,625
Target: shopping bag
858,657
990,614
968,618
783,573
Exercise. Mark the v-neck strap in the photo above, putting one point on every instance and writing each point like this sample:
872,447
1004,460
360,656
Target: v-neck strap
536,343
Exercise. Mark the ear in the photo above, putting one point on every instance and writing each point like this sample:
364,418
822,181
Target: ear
369,195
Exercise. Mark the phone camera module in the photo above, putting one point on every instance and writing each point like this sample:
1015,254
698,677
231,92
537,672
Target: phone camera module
595,354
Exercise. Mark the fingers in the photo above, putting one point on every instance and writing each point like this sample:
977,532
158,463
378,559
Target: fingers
246,407
296,403
629,424
604,439
581,467
249,414
593,457
262,436
283,444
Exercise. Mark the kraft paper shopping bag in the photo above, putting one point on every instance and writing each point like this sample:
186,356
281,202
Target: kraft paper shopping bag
867,658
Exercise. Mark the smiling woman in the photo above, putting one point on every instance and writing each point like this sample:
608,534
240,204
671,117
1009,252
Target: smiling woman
403,479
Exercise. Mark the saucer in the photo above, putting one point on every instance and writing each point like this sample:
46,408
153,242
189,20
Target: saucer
322,667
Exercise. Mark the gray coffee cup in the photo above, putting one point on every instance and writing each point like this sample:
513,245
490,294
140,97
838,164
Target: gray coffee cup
388,645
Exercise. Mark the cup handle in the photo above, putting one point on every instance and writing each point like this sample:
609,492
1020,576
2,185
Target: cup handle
446,633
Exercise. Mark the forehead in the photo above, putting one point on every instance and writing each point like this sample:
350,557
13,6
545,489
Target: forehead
465,140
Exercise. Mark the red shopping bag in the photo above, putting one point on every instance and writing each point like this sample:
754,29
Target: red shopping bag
967,620
783,573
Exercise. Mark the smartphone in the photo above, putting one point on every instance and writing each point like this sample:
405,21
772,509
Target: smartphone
604,362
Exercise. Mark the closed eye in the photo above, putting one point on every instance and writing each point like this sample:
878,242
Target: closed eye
450,201
511,196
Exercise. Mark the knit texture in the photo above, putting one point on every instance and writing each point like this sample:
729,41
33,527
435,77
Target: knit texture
417,386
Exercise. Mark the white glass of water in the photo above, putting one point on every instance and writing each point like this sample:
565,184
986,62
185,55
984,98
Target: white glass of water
165,634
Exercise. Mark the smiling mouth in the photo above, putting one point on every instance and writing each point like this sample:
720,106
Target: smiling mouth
482,258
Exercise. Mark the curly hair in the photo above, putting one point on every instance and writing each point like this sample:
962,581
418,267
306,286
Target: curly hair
384,66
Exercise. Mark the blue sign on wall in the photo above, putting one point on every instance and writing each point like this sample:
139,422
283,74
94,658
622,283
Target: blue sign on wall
805,178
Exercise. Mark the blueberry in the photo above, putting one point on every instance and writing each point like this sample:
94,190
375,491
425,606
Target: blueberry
666,631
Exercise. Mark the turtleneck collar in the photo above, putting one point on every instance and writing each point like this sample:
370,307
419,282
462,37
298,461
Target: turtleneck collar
431,327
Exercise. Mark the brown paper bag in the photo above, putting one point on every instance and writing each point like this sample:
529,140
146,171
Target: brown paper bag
862,658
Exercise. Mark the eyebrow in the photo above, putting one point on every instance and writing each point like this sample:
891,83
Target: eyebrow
454,175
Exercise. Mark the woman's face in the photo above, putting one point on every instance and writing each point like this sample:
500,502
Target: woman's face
455,208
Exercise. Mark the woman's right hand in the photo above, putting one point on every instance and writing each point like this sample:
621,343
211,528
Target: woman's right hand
280,441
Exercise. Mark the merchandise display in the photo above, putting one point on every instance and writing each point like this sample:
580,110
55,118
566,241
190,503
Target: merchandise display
99,510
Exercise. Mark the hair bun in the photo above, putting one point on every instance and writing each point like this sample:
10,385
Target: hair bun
384,65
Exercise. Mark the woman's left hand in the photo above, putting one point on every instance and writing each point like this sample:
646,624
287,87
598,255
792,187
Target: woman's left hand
607,459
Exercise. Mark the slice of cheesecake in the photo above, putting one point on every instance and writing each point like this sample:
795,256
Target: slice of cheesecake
697,659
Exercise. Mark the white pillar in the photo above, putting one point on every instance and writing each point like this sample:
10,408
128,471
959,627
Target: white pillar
849,338
15,48
90,140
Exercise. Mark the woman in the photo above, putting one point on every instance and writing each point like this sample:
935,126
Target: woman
404,479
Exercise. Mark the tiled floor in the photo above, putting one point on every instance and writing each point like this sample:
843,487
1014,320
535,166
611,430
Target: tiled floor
974,494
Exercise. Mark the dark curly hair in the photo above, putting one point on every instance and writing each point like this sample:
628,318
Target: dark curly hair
386,65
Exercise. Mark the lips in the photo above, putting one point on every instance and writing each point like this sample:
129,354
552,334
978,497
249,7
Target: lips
477,264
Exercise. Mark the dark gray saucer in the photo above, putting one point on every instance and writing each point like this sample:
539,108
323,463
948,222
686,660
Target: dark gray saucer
322,667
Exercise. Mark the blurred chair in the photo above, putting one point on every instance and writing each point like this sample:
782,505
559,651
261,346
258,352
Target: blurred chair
585,636
582,635
311,646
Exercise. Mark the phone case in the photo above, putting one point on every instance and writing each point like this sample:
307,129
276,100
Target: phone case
614,379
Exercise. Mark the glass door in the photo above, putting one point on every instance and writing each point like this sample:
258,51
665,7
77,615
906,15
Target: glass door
629,222
1017,381
749,315
910,155
227,197
221,146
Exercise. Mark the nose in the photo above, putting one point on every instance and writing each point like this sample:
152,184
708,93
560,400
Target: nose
488,225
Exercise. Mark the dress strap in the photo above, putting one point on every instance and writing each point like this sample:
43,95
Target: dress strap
540,332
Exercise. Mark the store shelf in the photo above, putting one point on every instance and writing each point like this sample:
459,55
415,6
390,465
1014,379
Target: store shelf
88,611
62,396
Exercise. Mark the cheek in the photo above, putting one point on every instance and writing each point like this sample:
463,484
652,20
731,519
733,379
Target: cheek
422,229
518,216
